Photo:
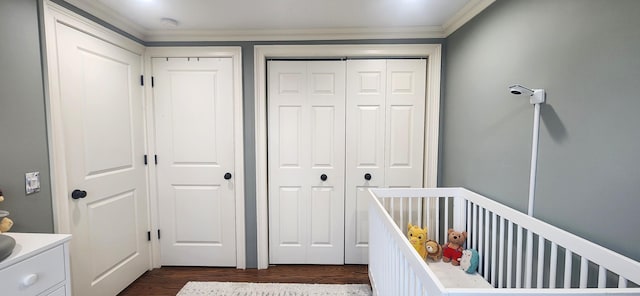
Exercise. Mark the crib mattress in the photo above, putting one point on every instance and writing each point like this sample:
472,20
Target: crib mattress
453,277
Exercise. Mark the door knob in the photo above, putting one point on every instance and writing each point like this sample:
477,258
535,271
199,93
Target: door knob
76,194
323,177
227,176
367,176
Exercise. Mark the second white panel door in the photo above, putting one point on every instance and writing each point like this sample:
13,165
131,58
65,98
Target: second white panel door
193,100
306,161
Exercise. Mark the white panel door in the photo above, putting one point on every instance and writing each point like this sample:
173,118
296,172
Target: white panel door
102,114
306,161
365,168
385,139
193,101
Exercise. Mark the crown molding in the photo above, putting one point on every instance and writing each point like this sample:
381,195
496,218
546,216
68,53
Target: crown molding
465,14
296,34
106,14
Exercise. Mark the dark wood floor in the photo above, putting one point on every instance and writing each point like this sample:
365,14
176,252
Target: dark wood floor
169,280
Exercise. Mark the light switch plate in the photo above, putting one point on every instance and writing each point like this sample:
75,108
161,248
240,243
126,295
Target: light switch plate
32,182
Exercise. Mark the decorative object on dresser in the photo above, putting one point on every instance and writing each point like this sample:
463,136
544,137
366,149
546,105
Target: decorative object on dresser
5,223
38,265
7,244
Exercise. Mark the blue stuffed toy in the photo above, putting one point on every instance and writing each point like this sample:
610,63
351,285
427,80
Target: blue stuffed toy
469,261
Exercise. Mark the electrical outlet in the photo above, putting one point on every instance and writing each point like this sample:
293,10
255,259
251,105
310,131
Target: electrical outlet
32,182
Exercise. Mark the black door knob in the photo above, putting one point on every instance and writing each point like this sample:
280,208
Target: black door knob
76,194
323,177
227,176
367,176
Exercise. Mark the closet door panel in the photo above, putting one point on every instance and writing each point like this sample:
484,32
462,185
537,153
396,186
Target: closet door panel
288,161
326,96
405,107
306,152
366,91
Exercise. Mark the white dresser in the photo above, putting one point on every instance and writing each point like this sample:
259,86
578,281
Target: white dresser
39,265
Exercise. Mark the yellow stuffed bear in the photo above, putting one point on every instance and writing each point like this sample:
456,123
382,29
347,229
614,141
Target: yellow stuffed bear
5,223
418,237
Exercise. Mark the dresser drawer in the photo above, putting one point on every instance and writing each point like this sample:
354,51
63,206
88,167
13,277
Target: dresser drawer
35,274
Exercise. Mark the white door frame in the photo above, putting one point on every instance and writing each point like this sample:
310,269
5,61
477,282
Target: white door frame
432,116
235,53
55,15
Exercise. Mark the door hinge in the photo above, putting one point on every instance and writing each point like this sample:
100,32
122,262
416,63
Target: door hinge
152,82
155,158
145,159
158,234
142,80
148,235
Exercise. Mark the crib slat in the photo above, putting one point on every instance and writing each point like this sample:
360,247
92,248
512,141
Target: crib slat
411,200
469,210
426,208
519,258
540,262
437,210
494,221
474,238
501,256
622,282
553,265
584,272
529,260
402,213
486,245
420,209
567,268
602,277
403,275
480,238
509,253
446,217
392,211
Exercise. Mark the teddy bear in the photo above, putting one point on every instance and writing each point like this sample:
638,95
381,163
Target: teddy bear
417,237
452,250
434,250
5,223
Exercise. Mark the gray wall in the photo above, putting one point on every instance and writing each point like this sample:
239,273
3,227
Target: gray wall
23,136
586,54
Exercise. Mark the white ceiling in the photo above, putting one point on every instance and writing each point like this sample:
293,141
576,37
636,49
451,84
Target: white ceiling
205,20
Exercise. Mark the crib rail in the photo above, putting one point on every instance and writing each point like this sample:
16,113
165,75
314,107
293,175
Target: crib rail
519,254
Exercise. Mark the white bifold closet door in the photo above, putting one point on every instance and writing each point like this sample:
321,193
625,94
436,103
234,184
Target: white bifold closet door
306,161
385,139
360,123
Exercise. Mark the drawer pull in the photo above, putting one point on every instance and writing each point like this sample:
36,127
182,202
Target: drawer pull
29,280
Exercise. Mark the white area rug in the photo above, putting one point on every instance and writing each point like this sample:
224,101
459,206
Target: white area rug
270,289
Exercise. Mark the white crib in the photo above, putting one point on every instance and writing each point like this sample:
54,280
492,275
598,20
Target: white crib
519,254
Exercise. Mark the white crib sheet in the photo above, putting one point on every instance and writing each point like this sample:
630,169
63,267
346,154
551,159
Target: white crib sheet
453,277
